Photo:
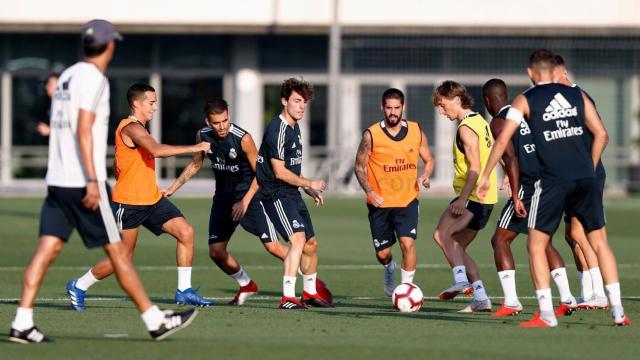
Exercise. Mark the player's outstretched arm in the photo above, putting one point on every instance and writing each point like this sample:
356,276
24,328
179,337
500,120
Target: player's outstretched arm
361,170
427,160
140,137
251,152
519,109
84,133
192,168
594,124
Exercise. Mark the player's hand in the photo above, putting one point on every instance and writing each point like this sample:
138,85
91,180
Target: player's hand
43,129
316,195
457,207
91,199
238,210
201,146
318,185
506,186
424,181
375,199
166,192
483,188
519,208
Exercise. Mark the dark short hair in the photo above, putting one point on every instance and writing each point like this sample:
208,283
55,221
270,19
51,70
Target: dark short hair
542,59
393,93
136,91
559,60
90,48
53,75
494,84
215,107
301,86
450,89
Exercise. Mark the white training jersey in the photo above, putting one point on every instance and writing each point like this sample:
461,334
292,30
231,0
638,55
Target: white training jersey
81,86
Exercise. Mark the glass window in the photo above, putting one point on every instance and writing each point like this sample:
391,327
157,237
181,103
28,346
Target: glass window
183,51
30,106
419,108
318,117
293,53
272,105
370,97
134,52
43,51
182,107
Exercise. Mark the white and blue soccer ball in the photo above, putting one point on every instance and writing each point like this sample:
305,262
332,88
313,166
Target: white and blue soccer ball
407,298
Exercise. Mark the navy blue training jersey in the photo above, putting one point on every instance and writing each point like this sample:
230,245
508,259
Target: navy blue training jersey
525,149
556,120
589,138
282,142
229,163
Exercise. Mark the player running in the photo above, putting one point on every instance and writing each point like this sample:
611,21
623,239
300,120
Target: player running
387,169
78,195
591,285
467,214
559,116
523,170
138,200
279,167
237,200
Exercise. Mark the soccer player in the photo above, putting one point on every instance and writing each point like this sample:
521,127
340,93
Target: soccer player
233,160
49,88
559,116
278,172
522,167
138,200
592,288
78,195
466,215
387,169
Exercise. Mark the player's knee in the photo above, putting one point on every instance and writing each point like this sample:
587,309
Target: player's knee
384,256
310,247
217,253
498,242
437,237
186,234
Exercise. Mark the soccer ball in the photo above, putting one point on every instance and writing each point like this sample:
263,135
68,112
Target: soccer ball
407,297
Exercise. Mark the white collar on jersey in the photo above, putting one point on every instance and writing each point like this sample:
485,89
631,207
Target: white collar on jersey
403,122
134,118
469,114
504,107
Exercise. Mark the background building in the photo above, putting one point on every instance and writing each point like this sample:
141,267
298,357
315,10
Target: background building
352,50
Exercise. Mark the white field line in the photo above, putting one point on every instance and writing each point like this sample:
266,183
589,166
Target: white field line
279,267
265,298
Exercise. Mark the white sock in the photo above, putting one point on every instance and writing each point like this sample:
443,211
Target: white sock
407,276
546,306
23,320
289,286
309,283
478,290
241,277
86,281
559,276
184,278
613,293
152,318
596,279
508,281
460,274
586,285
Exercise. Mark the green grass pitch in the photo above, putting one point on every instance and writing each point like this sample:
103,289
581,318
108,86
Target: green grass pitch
363,324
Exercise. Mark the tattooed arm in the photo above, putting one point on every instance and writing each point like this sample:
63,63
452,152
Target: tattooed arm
360,169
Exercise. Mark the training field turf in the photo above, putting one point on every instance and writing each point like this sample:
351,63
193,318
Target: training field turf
363,324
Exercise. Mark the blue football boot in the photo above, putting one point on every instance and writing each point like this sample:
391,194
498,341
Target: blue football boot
191,297
76,296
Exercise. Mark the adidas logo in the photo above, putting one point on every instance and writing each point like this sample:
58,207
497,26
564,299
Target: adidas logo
413,231
293,146
264,236
478,287
559,108
459,271
506,277
556,275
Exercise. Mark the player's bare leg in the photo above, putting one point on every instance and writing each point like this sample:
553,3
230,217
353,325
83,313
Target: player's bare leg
385,258
47,251
409,259
291,265
230,266
182,231
609,267
593,294
537,246
453,251
559,275
277,249
309,269
506,267
480,301
104,268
